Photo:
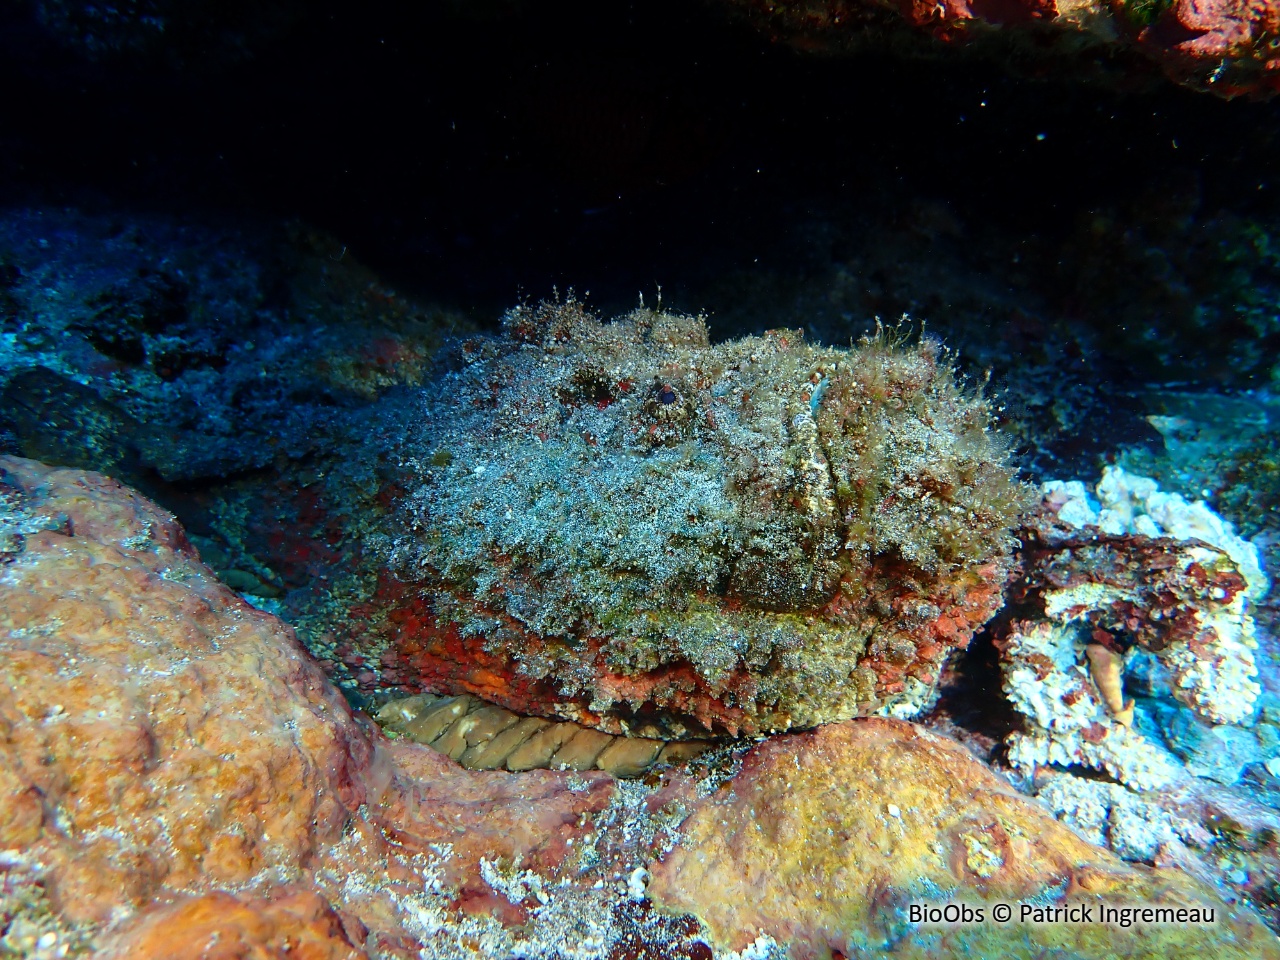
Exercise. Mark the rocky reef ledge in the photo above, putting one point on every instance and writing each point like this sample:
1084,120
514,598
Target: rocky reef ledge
179,779
1225,47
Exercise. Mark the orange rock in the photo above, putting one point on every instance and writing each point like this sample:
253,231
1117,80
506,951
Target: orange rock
161,739
145,695
219,926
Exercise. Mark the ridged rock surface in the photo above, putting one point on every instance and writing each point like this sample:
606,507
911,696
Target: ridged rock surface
481,736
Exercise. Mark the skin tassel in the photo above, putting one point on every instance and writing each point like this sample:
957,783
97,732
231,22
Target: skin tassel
1106,667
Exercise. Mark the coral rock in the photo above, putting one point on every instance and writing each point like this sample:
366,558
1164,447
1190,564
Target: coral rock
1068,721
1137,569
623,525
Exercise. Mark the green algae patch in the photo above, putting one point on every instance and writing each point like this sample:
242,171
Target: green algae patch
1143,13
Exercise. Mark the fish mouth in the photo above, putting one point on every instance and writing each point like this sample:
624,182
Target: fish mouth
484,736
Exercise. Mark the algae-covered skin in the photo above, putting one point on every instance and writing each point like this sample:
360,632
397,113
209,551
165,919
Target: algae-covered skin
622,524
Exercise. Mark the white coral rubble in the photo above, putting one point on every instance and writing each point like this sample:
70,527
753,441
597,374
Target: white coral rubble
1126,503
1047,681
1045,665
1110,816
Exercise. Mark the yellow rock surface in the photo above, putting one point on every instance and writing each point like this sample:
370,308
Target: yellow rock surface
825,839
